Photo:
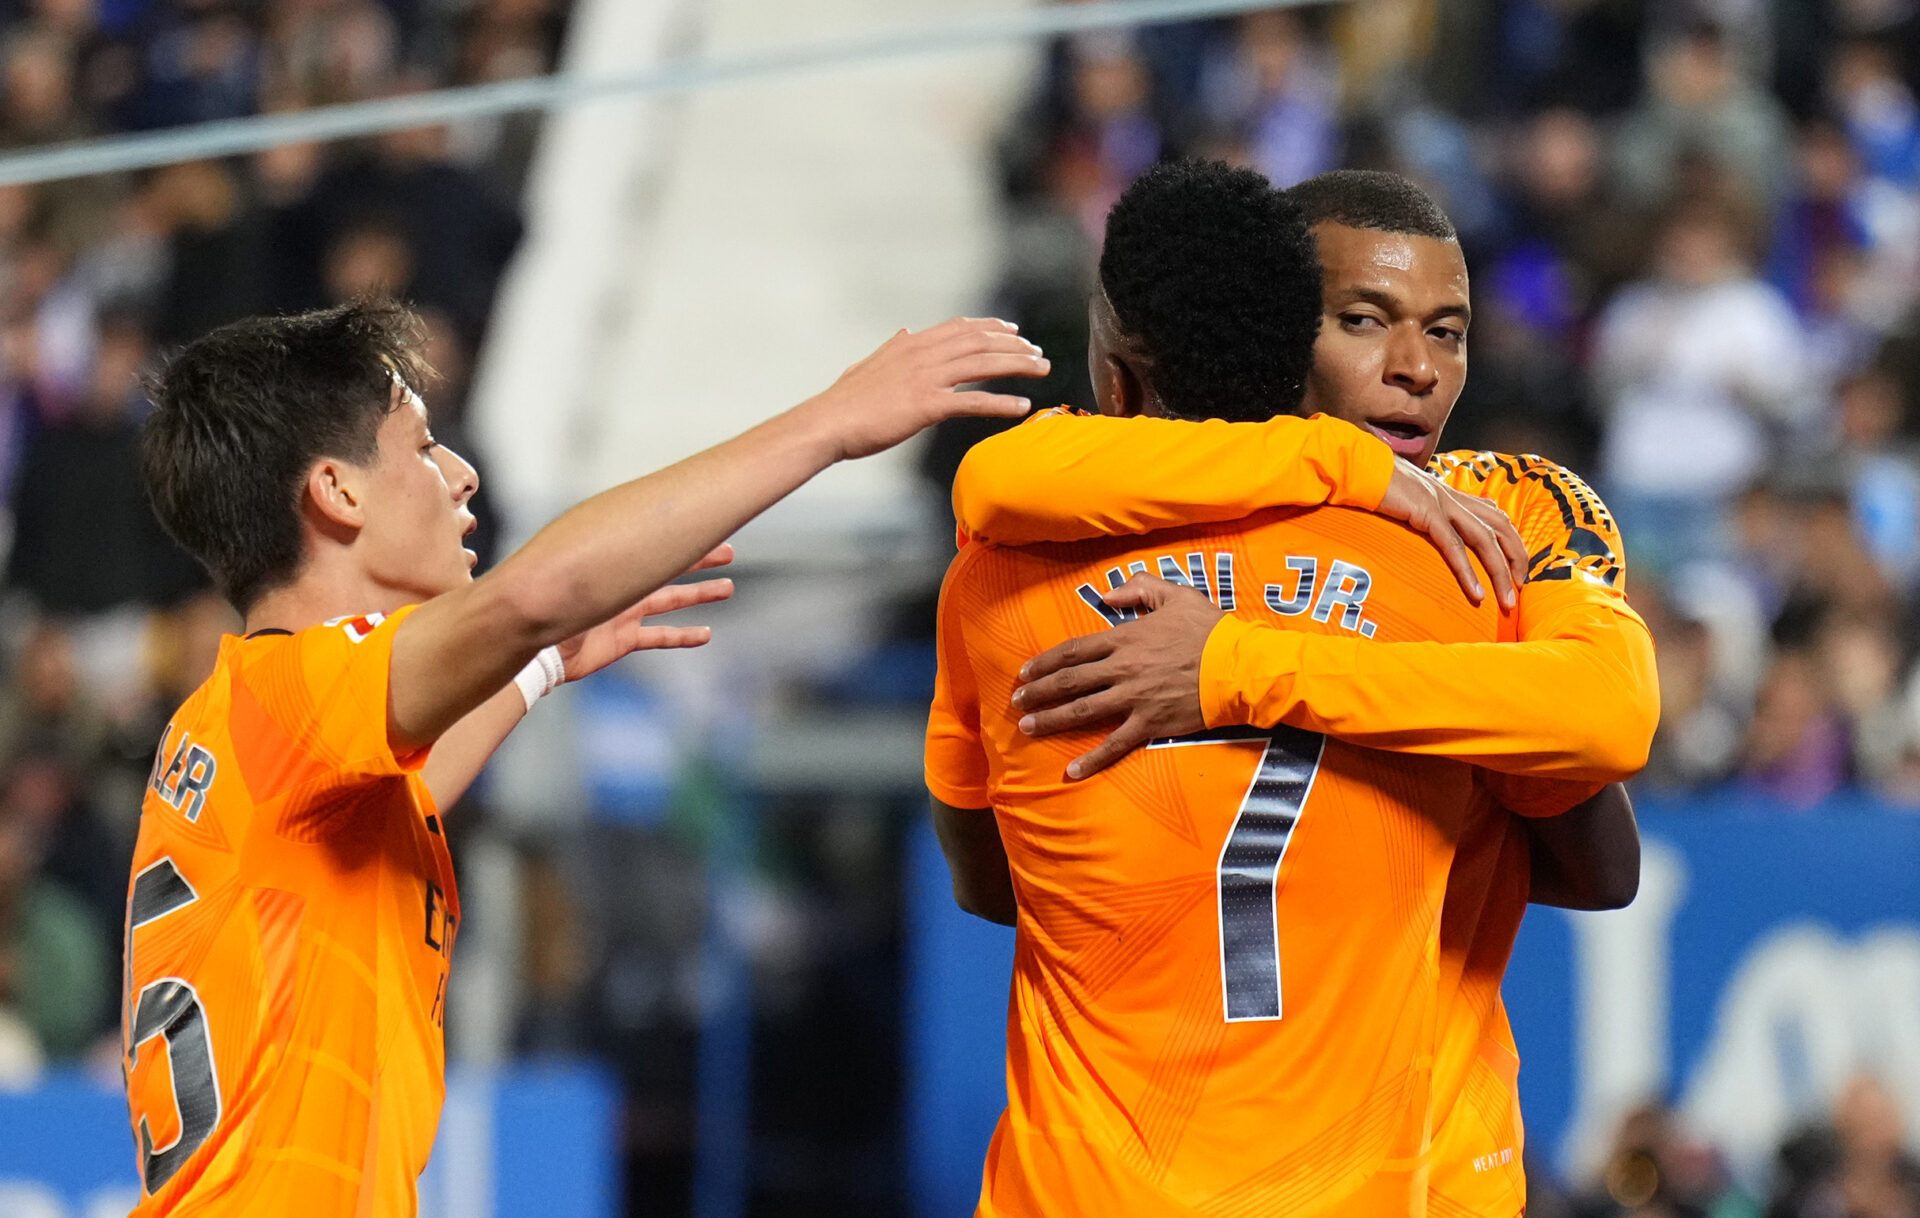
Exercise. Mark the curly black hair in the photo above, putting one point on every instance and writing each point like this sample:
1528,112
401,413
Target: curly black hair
242,412
1213,272
1371,199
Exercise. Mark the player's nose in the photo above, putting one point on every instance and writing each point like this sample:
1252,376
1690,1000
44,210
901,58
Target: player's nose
1410,366
460,474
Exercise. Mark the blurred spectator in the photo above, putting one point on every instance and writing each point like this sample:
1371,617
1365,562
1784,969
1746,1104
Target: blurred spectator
333,52
79,494
1620,183
407,215
1797,751
1656,1169
1879,110
504,40
47,705
1701,721
1700,103
200,64
1701,370
54,974
1862,657
1855,1165
1823,257
213,252
1382,44
370,256
1877,447
1822,213
1560,213
78,851
1270,98
1109,134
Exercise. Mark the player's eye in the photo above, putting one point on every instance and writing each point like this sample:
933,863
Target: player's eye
1360,321
1449,334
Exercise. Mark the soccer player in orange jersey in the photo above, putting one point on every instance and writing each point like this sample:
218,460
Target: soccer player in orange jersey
1226,989
1390,358
292,910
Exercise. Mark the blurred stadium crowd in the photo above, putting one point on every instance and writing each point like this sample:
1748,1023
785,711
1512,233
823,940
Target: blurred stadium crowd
1694,234
1694,231
107,625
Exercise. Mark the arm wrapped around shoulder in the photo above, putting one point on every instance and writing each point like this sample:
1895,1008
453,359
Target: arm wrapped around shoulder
1067,477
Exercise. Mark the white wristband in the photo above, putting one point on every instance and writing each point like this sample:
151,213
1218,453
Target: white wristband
543,673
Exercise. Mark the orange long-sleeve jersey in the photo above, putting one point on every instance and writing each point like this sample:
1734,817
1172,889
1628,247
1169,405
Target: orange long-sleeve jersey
1228,966
1066,477
1503,706
289,925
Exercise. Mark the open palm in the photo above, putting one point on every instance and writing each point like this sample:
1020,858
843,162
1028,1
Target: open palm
592,650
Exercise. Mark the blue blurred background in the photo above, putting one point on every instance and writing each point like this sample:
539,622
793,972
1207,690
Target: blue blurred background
710,964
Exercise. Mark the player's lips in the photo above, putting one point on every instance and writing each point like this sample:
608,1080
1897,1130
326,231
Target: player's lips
1406,437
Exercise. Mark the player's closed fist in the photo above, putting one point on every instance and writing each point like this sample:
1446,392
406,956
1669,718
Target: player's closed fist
912,382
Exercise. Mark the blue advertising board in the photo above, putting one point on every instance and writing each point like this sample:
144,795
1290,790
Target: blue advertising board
1768,957
529,1140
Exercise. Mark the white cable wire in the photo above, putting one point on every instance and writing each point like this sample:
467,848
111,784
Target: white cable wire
229,137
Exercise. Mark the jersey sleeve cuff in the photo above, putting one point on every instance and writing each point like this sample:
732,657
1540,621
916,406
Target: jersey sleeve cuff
1223,701
962,795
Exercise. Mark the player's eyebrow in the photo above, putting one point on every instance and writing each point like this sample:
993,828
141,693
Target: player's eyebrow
1393,304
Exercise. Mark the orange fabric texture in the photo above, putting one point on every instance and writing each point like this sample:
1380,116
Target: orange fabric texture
1068,477
1577,556
1503,706
1225,989
290,922
1068,458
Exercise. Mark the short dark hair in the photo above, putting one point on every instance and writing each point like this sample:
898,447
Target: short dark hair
1213,271
241,413
1375,200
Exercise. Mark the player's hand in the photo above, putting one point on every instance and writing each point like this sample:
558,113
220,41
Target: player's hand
1144,673
592,650
1455,524
911,382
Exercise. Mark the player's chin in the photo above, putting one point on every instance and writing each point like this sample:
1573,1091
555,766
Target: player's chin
454,573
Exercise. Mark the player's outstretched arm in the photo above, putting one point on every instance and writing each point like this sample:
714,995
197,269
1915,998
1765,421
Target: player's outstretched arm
608,553
1068,477
1588,857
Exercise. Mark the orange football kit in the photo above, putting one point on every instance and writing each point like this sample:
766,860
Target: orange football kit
289,925
1485,704
1225,993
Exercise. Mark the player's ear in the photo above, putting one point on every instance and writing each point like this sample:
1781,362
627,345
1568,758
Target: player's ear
1125,388
334,498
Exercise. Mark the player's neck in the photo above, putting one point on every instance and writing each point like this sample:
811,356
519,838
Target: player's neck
321,593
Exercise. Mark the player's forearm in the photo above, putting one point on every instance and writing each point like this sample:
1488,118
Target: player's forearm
1580,705
593,562
609,551
466,747
612,551
977,861
1069,477
1589,857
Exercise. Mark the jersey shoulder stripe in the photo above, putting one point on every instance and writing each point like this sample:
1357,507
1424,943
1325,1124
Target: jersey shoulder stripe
1567,527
